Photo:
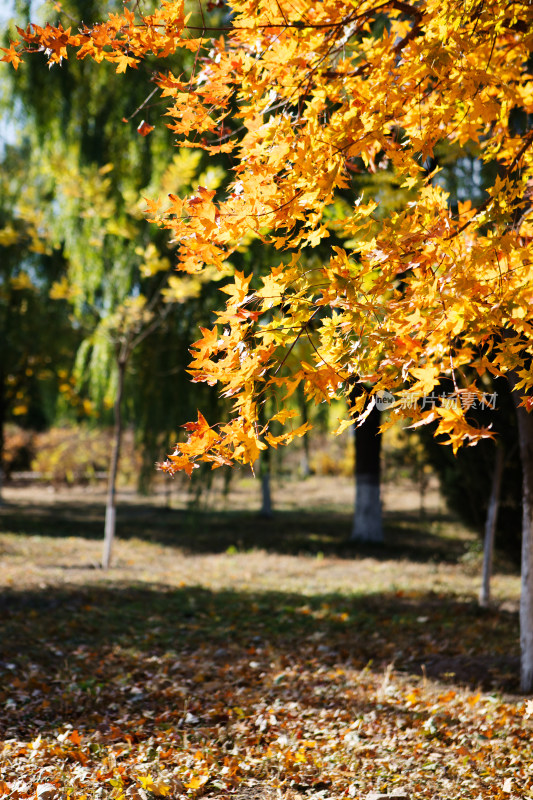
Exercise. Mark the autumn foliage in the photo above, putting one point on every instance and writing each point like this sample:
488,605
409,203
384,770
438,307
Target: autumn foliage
306,99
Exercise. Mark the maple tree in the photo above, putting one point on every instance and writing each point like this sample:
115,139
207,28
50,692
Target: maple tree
303,96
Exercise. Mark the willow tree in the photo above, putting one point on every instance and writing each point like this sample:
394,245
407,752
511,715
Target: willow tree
93,174
304,95
37,337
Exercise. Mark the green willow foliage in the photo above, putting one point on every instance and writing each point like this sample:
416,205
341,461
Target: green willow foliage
78,128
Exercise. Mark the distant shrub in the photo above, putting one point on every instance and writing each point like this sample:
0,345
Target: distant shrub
403,456
19,449
333,456
78,455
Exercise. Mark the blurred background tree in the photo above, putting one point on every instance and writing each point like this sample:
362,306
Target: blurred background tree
86,173
37,337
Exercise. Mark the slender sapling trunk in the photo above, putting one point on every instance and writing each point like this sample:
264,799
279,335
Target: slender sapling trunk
490,525
110,511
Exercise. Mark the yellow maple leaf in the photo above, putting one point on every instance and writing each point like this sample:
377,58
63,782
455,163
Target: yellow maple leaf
238,289
161,789
271,291
426,379
197,781
146,782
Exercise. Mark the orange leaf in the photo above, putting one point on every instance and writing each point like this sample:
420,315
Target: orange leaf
197,781
75,738
11,55
144,128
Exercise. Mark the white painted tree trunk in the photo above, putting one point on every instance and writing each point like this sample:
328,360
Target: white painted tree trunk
490,526
110,511
367,521
266,497
525,438
109,534
525,432
305,466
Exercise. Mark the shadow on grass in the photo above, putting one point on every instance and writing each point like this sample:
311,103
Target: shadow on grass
87,656
289,532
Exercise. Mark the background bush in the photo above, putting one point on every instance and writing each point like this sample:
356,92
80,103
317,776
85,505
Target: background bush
79,455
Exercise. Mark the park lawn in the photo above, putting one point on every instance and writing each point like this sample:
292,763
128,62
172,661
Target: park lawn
224,655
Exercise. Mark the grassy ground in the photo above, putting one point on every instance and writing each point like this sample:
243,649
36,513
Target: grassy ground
228,655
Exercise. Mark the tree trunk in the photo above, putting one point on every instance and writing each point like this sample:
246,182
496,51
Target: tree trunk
266,504
305,460
490,526
2,434
525,435
367,523
264,472
110,511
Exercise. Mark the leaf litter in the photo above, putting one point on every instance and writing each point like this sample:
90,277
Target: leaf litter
181,684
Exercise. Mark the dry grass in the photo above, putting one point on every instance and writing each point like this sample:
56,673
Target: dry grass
303,549
227,655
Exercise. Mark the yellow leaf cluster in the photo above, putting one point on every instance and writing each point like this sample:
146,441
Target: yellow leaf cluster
310,99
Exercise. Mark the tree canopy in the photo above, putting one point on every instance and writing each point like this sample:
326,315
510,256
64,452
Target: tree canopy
304,98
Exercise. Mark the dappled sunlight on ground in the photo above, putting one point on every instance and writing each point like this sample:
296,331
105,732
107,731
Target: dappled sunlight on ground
225,655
